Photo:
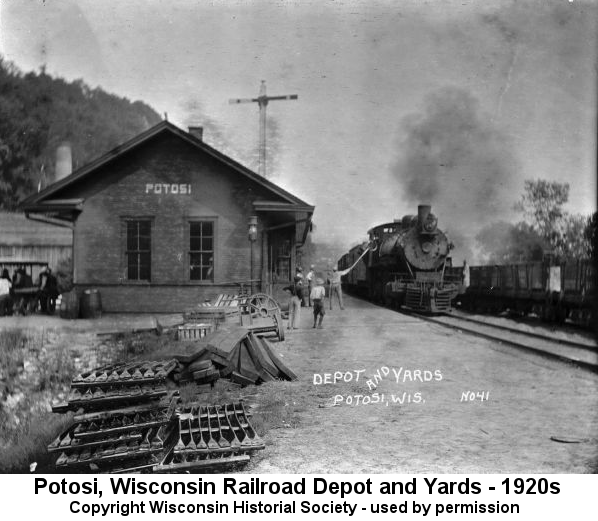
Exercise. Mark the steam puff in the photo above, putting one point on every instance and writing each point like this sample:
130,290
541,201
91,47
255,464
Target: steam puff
453,157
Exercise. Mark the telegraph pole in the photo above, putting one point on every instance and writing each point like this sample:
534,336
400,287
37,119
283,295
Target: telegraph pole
262,101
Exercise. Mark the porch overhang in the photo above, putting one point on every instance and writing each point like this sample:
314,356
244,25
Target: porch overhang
61,212
287,215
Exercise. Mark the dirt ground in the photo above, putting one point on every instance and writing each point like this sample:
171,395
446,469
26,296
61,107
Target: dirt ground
530,400
528,414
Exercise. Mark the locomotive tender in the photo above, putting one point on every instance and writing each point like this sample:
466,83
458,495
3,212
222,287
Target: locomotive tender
406,265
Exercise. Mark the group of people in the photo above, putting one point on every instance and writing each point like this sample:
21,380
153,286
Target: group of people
47,288
316,293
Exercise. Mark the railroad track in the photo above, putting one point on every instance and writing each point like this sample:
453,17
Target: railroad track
579,354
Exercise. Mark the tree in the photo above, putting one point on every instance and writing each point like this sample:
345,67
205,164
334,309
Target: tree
38,112
564,234
571,238
591,235
507,243
542,205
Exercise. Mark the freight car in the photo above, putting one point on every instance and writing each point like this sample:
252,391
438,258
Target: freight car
405,266
554,292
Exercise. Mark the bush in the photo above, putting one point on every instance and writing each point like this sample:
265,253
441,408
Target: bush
12,353
29,375
57,368
25,440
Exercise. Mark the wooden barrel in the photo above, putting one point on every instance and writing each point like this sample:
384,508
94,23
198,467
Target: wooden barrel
69,305
91,304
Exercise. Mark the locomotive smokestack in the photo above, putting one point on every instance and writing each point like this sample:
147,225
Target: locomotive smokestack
423,210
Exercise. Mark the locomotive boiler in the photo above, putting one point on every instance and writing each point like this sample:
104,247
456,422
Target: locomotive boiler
406,265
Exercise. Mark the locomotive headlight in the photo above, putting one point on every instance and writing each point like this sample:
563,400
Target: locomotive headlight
430,223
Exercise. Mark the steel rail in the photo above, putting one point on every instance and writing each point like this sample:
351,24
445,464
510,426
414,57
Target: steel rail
526,333
589,366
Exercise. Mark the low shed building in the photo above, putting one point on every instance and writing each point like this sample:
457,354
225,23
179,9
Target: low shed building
165,221
25,241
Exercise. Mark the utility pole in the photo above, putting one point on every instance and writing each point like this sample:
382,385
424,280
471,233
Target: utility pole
262,101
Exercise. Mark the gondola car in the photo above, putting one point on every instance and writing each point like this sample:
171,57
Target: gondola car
554,292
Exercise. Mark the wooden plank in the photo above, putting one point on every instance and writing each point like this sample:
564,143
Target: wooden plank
259,354
218,360
285,371
246,366
224,343
198,365
206,375
261,370
197,354
233,356
264,374
240,379
226,371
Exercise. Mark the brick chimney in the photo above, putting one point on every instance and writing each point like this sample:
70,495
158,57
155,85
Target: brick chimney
196,132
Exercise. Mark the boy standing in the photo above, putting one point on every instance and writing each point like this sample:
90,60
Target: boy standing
317,297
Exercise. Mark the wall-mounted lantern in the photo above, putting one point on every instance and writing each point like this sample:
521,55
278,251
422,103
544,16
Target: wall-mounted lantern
252,234
252,228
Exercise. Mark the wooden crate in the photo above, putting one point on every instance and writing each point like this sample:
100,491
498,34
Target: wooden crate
193,331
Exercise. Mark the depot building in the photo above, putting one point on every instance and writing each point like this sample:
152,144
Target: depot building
165,222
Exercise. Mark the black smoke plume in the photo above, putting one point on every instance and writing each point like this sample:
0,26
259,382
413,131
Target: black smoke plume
453,157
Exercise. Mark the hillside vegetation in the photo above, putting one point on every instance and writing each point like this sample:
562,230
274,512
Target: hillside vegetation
38,112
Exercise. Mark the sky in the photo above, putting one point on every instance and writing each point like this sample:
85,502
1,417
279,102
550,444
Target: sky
451,103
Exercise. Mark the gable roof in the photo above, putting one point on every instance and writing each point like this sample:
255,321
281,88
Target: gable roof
37,202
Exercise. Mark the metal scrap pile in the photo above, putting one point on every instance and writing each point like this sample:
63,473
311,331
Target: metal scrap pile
235,353
127,420
211,437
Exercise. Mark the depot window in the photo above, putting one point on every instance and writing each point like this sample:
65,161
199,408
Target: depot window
201,251
138,249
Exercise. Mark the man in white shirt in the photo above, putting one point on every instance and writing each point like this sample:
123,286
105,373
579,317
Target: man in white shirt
335,285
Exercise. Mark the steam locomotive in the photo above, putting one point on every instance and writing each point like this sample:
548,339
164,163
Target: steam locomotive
407,264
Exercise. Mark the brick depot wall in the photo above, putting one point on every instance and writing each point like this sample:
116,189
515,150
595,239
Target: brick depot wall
217,193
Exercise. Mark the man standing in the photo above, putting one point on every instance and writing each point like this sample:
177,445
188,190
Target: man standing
317,295
296,291
310,277
335,285
5,300
465,274
299,274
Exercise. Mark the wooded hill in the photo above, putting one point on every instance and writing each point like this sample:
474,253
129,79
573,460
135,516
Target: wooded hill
38,112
